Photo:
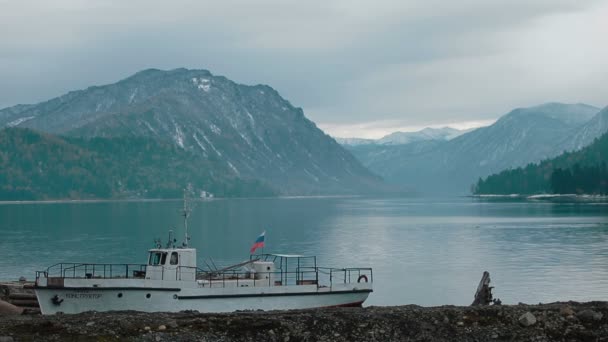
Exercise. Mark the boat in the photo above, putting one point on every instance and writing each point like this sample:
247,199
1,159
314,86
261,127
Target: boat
171,281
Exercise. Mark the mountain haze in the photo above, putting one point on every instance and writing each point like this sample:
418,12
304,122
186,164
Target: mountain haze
522,136
251,130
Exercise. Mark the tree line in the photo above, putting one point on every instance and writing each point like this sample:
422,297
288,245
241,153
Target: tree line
579,172
38,166
580,180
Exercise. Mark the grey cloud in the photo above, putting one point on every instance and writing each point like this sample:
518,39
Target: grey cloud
344,62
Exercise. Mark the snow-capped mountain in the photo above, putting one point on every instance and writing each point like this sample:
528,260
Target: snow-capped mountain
250,129
520,137
403,138
355,141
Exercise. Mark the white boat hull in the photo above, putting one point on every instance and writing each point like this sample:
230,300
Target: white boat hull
77,300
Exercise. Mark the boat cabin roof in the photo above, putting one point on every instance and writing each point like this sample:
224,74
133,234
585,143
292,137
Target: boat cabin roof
153,250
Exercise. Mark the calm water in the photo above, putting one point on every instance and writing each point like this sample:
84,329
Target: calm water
423,251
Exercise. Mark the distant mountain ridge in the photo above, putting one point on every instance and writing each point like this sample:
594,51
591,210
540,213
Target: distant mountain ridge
403,138
569,114
522,136
252,130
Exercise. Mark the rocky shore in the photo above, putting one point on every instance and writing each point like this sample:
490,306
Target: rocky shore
544,322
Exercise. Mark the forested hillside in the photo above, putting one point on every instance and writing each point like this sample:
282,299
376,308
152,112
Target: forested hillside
36,166
581,172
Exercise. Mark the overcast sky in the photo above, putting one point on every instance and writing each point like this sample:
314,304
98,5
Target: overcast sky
358,68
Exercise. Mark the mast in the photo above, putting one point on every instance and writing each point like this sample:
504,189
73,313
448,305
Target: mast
186,213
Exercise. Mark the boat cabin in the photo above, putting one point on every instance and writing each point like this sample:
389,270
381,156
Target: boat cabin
176,264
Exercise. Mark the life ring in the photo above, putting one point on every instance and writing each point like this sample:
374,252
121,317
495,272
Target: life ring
362,277
55,300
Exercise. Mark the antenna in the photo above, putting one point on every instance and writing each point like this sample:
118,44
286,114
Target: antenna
186,213
171,241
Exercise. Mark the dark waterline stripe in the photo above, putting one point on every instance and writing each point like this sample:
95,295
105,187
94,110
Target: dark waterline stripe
273,294
108,288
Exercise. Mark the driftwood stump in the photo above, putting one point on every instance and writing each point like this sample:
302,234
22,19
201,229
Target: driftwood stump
483,295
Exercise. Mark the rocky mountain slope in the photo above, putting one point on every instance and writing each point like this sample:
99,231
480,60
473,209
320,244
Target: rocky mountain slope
520,137
251,130
585,134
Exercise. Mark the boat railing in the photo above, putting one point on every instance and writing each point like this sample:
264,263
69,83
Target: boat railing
319,276
243,279
332,275
88,271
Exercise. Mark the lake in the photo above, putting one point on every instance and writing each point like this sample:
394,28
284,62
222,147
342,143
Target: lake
426,251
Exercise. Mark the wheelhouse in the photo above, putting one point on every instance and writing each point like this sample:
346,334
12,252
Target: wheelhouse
171,264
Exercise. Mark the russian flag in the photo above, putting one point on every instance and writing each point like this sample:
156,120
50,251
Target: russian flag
259,243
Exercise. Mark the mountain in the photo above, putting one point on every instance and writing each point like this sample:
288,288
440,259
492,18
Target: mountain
585,134
354,141
522,136
251,130
43,166
570,114
584,171
403,138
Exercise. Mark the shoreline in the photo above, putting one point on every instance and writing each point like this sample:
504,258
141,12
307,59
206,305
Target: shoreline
561,321
572,197
127,200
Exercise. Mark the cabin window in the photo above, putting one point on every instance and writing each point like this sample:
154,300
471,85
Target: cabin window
163,259
174,258
157,258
